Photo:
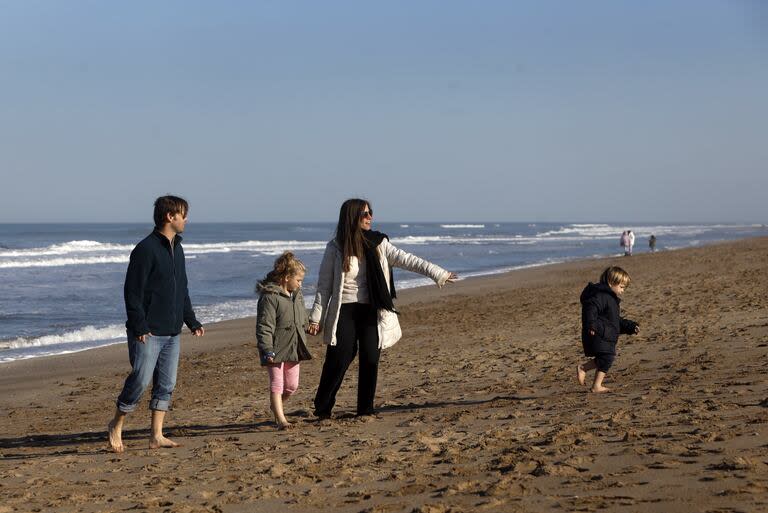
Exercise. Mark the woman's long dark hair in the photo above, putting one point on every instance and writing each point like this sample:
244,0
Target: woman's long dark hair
349,235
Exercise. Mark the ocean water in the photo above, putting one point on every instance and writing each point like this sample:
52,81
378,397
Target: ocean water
61,285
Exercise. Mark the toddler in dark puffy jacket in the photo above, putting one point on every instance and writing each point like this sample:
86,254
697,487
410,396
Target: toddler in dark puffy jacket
601,324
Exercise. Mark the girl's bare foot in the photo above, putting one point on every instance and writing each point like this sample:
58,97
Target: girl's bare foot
115,437
600,390
162,442
581,374
282,423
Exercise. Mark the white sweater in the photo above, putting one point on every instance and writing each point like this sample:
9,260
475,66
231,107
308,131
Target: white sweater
355,285
330,283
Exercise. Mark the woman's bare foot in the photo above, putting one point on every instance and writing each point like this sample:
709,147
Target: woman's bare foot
581,374
115,437
600,390
162,442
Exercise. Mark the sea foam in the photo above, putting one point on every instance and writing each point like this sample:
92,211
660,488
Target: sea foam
86,334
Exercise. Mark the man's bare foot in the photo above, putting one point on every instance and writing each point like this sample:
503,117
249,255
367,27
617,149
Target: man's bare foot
162,442
581,374
115,437
600,390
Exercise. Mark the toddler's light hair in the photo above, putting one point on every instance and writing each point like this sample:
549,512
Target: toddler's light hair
615,275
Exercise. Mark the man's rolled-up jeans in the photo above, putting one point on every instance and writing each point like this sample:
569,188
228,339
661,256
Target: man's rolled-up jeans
156,360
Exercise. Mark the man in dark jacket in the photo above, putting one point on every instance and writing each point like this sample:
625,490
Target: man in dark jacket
601,324
157,303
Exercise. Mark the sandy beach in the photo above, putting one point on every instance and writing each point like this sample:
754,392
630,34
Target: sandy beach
479,408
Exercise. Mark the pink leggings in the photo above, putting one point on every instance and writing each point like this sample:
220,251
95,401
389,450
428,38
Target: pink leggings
283,377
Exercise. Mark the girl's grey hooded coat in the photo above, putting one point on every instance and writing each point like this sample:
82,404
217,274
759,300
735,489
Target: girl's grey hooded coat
330,282
281,321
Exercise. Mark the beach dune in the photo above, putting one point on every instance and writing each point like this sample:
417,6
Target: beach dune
479,408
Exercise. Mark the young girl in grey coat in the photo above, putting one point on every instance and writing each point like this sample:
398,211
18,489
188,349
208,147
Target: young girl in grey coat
281,322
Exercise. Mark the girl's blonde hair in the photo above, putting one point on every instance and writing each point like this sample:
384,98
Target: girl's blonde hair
286,265
615,275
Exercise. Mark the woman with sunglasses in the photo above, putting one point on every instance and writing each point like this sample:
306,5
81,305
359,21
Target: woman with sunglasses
353,305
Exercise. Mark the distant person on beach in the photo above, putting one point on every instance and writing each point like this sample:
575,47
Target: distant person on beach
624,242
157,303
354,303
281,321
631,239
601,324
652,243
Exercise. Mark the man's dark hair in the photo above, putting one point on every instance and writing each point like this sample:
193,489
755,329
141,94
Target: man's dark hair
165,205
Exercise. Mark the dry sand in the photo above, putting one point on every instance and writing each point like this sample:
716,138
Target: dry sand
479,408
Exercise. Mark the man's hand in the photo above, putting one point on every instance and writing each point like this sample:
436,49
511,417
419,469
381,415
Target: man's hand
143,338
314,328
199,332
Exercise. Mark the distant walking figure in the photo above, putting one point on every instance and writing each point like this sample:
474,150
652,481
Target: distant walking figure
157,303
652,243
624,242
631,237
354,303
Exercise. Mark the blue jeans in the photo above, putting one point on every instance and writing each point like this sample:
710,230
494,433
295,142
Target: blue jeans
157,359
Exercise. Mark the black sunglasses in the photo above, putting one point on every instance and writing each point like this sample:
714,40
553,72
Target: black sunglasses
367,213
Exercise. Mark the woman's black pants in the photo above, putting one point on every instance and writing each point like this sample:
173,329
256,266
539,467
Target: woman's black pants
357,327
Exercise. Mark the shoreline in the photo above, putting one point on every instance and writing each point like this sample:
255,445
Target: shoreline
72,363
470,276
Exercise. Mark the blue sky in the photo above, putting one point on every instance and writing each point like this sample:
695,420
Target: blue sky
434,110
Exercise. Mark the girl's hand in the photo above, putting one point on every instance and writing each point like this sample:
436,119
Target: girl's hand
452,278
268,357
314,328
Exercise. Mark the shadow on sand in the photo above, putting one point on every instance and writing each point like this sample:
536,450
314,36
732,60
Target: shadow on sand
196,430
100,437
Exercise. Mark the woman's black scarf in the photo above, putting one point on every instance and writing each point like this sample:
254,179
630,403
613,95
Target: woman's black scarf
379,294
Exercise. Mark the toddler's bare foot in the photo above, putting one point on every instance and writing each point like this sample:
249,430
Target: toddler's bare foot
600,390
162,442
115,437
581,374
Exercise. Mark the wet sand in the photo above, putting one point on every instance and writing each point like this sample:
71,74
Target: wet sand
479,408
